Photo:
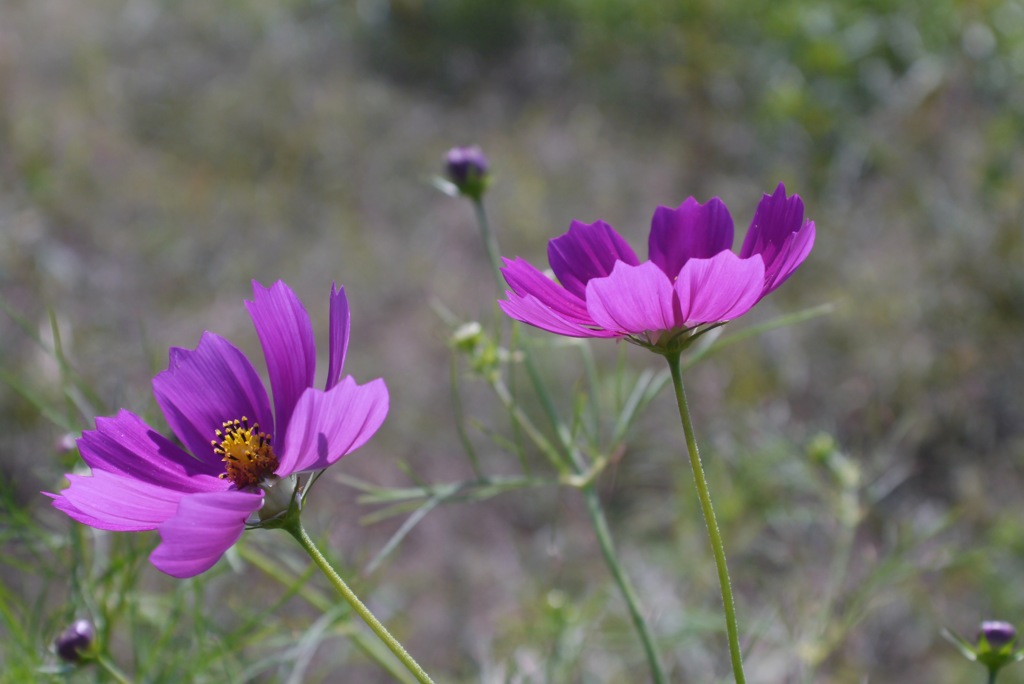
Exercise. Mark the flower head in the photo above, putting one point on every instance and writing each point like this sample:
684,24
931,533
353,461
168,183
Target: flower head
200,497
691,278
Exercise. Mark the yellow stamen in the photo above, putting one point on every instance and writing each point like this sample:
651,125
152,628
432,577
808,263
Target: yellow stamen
246,451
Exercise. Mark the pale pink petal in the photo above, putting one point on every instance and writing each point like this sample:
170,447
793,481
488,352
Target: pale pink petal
692,231
720,288
202,529
587,251
125,445
286,335
340,323
633,299
328,425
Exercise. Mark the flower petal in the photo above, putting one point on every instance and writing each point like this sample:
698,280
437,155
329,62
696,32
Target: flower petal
792,253
632,299
286,335
112,501
341,321
328,425
125,445
203,388
692,231
532,311
588,250
526,281
720,288
203,528
776,218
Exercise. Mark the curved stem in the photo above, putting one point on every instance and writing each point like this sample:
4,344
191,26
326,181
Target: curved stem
295,529
709,518
604,539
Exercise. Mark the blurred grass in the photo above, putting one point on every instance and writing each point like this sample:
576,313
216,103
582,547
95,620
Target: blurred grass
156,156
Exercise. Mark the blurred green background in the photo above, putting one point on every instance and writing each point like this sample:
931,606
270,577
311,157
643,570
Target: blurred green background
157,155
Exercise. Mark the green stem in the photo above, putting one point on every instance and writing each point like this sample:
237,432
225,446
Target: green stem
294,528
709,518
490,242
604,539
108,666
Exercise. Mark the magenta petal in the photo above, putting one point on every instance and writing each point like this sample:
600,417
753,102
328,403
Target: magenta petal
532,311
633,299
203,388
720,288
588,250
125,445
693,231
340,323
115,502
204,527
328,425
525,280
286,334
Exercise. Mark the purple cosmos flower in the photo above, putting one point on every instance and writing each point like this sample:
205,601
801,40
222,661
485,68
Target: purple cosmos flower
200,497
691,277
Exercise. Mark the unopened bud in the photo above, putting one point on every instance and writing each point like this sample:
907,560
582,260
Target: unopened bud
75,641
467,169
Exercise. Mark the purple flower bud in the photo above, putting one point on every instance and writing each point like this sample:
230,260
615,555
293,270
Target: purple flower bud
467,168
997,633
75,640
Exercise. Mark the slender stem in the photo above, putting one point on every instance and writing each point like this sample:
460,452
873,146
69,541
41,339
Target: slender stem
709,518
108,666
604,539
296,530
490,242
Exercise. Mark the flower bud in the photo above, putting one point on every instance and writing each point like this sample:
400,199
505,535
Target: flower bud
75,641
467,169
996,634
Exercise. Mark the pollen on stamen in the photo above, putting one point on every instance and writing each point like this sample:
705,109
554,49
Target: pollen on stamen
248,456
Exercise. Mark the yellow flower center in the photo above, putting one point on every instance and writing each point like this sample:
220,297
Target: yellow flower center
246,451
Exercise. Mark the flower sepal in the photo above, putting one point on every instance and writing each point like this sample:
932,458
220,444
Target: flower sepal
669,342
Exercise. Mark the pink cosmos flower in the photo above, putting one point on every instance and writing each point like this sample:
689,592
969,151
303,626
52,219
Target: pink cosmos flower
691,277
200,497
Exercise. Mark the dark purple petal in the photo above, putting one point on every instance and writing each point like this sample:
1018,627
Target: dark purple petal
115,502
340,323
693,231
776,218
203,388
588,250
526,281
328,425
125,445
792,253
286,334
532,311
204,527
633,299
720,288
